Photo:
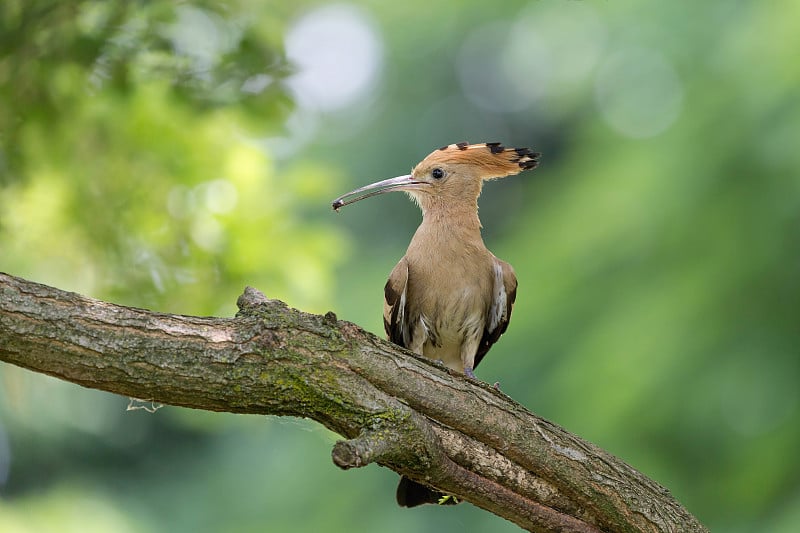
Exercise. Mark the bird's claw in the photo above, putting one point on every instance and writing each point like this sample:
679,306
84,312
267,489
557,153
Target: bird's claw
469,373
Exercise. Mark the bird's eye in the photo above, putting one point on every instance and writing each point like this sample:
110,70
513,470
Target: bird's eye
437,173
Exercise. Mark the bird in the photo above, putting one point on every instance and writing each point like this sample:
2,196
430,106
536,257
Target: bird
448,298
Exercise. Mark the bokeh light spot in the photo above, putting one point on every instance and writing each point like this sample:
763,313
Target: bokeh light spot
638,92
208,233
495,82
337,53
221,196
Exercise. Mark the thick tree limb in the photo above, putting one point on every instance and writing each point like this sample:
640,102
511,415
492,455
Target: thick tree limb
394,408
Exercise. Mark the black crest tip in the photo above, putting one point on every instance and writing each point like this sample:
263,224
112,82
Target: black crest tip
526,158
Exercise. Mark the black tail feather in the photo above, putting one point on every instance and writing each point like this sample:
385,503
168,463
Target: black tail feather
410,494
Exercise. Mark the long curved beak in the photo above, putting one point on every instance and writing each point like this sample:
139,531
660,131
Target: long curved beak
400,183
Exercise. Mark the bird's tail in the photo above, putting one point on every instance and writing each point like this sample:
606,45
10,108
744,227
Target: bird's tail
410,494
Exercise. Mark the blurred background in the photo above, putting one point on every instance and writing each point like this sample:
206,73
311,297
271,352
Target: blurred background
165,154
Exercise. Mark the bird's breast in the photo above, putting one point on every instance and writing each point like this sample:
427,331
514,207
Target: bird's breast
451,300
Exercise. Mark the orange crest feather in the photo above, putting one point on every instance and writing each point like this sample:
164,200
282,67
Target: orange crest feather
495,160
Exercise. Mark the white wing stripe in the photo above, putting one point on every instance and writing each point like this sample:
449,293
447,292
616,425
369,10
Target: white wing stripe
497,310
401,318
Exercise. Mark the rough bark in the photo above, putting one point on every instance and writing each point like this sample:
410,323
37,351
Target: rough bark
394,408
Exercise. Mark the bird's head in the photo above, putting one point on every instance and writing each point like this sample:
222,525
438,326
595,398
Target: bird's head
451,176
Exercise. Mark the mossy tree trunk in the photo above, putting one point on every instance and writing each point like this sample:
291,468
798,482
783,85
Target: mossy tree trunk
392,407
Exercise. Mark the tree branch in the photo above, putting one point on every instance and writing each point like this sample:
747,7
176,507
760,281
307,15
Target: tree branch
394,408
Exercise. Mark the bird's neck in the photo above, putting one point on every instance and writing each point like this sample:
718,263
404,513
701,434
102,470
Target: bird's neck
449,227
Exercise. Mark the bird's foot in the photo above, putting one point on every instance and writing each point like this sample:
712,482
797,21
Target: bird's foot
469,373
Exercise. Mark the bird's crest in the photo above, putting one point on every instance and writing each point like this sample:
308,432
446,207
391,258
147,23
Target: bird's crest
495,160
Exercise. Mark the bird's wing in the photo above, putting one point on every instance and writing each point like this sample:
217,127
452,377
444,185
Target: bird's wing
504,293
394,305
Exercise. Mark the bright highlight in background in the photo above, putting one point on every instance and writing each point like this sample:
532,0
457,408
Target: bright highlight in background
337,54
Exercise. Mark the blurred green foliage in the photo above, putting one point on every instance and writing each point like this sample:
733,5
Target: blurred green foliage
165,155
129,169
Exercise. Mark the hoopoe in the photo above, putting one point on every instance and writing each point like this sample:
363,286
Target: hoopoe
449,298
